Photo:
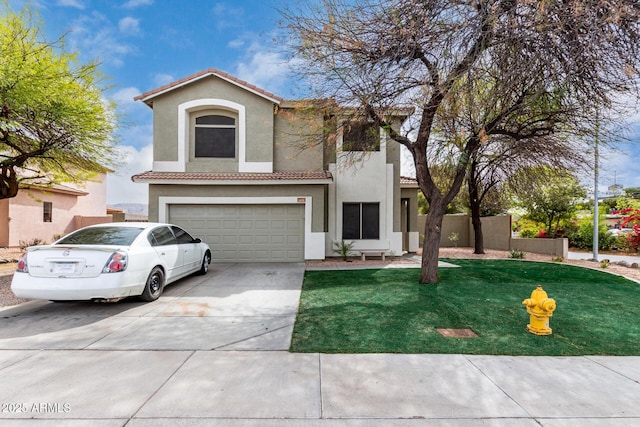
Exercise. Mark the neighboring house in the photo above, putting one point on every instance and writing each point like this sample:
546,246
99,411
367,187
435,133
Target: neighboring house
260,178
42,212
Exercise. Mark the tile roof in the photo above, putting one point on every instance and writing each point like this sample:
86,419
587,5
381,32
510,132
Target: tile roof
53,188
239,176
406,180
208,72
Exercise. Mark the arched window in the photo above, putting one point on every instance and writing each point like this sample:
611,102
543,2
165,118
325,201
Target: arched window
215,136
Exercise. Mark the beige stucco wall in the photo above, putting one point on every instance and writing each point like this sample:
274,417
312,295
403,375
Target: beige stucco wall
317,192
259,123
393,157
453,224
496,232
412,195
556,247
298,140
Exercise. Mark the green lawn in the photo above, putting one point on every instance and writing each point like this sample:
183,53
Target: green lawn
388,311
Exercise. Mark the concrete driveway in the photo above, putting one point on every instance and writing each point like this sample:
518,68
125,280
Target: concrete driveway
233,307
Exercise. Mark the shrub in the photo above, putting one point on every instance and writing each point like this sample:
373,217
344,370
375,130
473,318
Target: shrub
343,248
528,233
24,244
516,254
528,229
542,234
581,236
631,220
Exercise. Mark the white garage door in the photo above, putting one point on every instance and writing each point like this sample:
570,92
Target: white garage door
245,233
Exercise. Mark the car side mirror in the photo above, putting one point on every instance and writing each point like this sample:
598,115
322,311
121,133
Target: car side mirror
197,240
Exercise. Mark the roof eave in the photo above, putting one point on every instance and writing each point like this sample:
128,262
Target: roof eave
148,97
168,181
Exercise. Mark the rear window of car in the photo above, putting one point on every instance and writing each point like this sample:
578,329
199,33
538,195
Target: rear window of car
121,236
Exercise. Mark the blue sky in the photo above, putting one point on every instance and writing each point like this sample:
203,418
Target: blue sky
144,44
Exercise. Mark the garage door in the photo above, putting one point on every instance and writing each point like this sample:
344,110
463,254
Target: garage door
246,233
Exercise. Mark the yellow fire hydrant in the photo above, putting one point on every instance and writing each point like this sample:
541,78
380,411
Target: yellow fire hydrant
540,307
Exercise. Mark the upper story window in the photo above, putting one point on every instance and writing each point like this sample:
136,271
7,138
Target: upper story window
360,136
215,136
47,211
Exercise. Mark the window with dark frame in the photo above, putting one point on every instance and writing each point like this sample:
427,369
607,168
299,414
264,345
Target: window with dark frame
181,235
162,236
215,136
360,136
47,211
360,221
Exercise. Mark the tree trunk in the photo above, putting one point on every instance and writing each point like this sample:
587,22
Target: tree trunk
8,182
474,203
431,246
478,244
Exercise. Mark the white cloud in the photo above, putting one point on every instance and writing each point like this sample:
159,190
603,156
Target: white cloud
125,95
120,188
228,17
96,37
163,79
268,70
136,3
131,111
620,166
129,25
70,3
235,44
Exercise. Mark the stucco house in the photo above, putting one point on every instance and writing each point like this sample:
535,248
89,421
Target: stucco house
260,178
44,211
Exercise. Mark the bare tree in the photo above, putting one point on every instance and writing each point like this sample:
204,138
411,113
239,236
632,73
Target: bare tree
572,56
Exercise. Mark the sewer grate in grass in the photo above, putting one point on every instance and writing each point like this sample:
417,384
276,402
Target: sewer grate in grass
457,333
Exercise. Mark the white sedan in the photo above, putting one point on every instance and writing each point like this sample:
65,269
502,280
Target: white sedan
108,262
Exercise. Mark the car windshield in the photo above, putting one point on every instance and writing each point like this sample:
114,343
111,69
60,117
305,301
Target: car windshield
121,236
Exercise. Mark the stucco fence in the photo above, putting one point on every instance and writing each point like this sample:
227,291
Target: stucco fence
497,235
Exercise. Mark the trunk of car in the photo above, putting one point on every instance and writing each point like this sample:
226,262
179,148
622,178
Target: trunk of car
67,261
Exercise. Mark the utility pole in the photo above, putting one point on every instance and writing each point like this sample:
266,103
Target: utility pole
595,192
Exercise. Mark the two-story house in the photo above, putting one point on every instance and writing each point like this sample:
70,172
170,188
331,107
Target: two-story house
260,178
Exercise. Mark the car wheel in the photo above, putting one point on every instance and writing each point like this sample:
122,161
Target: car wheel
206,260
154,285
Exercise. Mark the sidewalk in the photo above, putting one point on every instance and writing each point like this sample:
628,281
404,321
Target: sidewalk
601,256
277,388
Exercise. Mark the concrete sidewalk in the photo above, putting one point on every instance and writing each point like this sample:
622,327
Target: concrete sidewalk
276,388
213,351
613,258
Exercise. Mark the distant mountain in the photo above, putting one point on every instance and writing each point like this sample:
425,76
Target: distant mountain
132,208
